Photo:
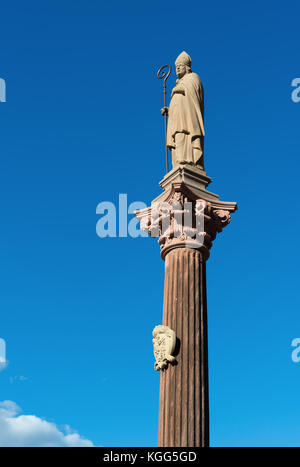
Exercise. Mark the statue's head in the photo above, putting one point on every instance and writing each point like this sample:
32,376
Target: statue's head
183,64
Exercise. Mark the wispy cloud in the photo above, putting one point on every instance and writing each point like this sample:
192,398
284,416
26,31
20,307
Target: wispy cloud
30,430
13,379
3,364
3,361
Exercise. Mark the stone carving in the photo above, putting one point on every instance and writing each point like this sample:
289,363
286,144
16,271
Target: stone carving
182,220
224,216
164,342
185,132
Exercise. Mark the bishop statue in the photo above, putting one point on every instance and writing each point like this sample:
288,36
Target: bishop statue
185,132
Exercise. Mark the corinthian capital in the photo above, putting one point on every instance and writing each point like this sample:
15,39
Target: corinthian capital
182,220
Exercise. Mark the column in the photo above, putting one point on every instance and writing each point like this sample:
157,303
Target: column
183,407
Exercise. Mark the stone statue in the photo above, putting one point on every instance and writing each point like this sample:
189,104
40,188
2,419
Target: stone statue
185,133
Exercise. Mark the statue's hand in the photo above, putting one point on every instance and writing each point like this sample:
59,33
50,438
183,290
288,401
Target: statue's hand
164,111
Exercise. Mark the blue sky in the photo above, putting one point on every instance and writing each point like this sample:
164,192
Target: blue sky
82,124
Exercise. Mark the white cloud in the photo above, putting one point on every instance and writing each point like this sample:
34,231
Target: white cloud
3,364
3,361
29,430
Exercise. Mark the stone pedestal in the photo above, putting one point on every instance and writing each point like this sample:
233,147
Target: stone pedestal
186,219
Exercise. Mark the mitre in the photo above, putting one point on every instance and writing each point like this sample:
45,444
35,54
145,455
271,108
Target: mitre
183,59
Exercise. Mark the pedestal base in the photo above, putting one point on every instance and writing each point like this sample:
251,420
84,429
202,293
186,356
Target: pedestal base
193,178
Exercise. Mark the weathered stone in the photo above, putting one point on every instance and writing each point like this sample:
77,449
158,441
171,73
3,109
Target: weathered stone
164,343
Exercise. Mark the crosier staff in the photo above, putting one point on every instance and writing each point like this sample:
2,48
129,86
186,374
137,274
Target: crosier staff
162,73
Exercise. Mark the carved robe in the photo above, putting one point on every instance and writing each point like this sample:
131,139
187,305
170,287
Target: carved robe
185,125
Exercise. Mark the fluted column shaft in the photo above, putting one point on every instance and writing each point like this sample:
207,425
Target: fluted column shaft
183,404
